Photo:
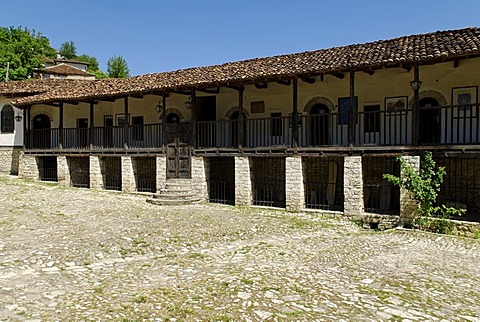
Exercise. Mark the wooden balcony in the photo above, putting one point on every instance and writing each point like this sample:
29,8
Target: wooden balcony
443,126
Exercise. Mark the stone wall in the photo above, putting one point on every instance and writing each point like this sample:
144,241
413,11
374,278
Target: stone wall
63,172
295,196
9,160
353,187
243,182
408,205
28,167
96,181
199,178
128,177
161,162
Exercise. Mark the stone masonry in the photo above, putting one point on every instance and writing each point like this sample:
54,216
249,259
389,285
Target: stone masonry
408,204
161,172
28,167
243,182
295,197
9,160
96,180
63,172
128,177
353,187
199,178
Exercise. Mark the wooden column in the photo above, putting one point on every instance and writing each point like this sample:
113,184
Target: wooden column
193,120
125,126
352,115
164,122
60,126
416,109
92,119
295,114
241,124
25,129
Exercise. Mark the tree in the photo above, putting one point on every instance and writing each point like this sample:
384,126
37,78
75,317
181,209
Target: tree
425,186
117,67
68,50
24,50
92,65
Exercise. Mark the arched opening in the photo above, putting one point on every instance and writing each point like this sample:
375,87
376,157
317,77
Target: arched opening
234,128
173,118
41,134
319,124
7,119
429,121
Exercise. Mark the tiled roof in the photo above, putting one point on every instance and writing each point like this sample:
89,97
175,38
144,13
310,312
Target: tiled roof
64,69
424,48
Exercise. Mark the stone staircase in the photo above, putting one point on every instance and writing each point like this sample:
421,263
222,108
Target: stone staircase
176,192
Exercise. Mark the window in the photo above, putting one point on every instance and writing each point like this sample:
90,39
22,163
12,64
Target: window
371,118
7,119
276,124
137,133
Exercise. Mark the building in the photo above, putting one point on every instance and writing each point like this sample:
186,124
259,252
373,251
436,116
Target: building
312,130
64,69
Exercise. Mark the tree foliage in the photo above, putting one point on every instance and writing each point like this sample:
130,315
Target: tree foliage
117,67
24,49
68,50
424,186
92,65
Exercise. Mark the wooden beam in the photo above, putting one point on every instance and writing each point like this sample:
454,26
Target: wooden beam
92,118
55,104
210,90
107,99
261,85
235,87
183,92
352,115
339,75
456,63
193,119
285,82
295,114
322,77
369,72
309,80
408,68
125,126
138,96
60,125
240,134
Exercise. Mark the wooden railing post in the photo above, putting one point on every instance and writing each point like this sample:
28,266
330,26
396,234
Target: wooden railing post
164,122
352,114
295,114
193,120
90,141
240,119
416,108
125,126
60,127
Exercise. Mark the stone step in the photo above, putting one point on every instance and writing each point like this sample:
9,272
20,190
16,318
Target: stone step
173,202
172,196
177,191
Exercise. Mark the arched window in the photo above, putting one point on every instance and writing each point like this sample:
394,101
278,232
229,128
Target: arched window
7,118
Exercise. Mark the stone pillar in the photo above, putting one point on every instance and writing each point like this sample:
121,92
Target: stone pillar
161,172
96,179
199,178
243,182
353,187
28,167
128,176
294,189
408,205
63,173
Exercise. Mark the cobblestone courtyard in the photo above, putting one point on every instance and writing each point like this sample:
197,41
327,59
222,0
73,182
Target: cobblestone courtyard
72,255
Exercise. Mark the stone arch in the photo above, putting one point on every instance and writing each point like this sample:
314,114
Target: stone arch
33,115
176,111
436,95
318,100
235,109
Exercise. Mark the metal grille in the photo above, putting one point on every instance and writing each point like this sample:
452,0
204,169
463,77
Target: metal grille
79,168
268,182
323,182
112,173
145,174
461,187
48,168
378,194
221,182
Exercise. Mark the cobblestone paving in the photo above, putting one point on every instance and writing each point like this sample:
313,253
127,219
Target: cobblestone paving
79,255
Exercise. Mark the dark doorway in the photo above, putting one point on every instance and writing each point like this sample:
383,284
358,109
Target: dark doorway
108,131
319,124
82,132
41,137
429,121
178,148
206,115
234,129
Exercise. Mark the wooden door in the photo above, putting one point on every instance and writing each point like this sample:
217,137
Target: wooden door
429,121
82,132
178,160
108,131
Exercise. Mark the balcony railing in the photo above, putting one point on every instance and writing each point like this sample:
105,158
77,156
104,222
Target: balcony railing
442,125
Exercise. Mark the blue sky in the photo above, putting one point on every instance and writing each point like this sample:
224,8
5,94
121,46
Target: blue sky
156,36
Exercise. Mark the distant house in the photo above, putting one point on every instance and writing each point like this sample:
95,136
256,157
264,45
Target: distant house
64,69
311,130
